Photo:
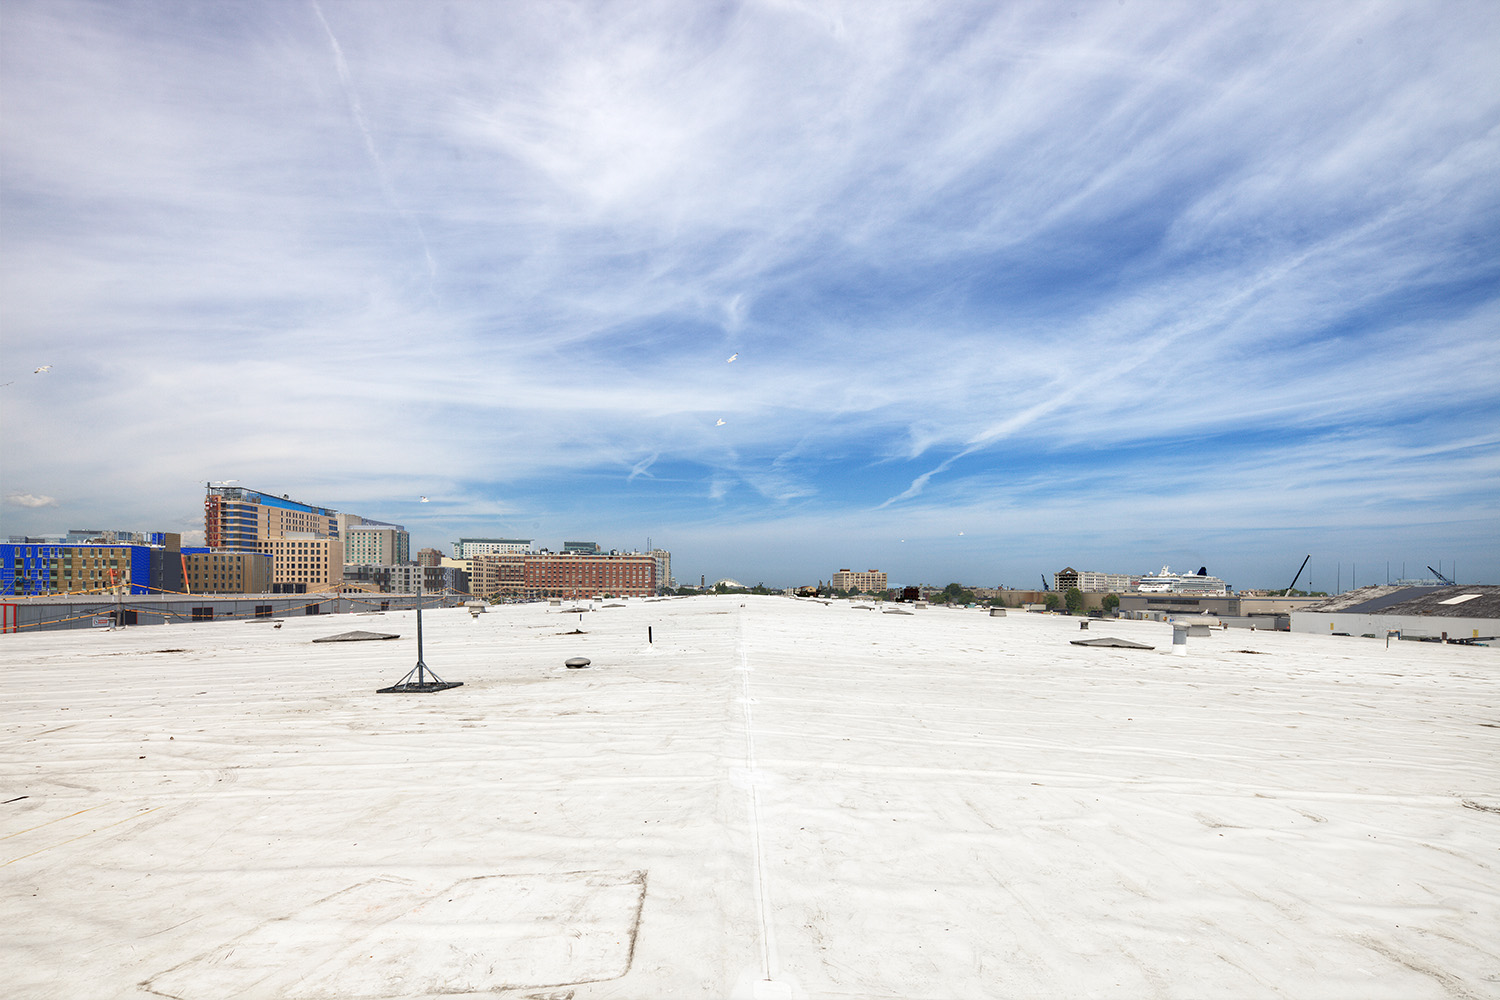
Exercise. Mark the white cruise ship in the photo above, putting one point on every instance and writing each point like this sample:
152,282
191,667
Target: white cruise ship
1167,582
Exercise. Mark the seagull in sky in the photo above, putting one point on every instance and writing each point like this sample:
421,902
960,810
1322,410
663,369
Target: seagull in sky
720,423
734,356
422,500
42,370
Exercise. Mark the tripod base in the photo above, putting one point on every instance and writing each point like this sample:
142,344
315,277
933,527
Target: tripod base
419,688
421,685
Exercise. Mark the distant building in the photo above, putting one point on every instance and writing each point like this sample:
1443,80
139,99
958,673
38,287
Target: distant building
377,544
210,571
305,563
1093,582
1168,605
495,574
303,541
91,568
81,535
663,569
403,579
466,548
870,581
1459,612
429,557
582,548
571,574
237,518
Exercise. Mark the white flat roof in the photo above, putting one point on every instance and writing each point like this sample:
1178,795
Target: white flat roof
775,798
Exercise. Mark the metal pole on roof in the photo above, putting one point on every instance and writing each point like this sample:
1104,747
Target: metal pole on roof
421,684
421,666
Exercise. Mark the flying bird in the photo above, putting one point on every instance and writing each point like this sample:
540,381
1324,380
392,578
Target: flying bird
734,356
720,423
42,370
422,500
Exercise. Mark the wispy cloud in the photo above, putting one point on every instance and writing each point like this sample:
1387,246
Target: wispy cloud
976,262
640,468
30,500
358,113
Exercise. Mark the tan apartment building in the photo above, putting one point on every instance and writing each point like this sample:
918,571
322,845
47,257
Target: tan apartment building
225,572
870,581
497,573
304,563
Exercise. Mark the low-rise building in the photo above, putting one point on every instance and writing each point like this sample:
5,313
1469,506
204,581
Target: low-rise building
1457,612
1166,605
403,579
91,567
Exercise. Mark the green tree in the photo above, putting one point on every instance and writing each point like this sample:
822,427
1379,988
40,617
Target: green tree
1111,602
1051,601
1074,600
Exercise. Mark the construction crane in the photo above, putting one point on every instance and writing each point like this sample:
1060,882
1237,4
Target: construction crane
1441,578
1298,576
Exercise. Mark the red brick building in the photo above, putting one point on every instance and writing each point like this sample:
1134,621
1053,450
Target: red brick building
562,574
573,574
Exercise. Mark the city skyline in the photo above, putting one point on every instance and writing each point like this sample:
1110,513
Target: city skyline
954,292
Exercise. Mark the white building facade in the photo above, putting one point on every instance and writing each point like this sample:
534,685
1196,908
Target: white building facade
466,548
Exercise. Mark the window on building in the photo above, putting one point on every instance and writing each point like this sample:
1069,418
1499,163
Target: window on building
203,614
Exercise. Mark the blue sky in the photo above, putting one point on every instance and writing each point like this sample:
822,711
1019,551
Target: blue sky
1012,286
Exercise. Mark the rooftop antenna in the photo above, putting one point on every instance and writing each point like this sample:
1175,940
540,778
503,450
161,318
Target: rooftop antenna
421,685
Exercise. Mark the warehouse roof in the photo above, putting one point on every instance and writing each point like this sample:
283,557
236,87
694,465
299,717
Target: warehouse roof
769,798
1471,601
